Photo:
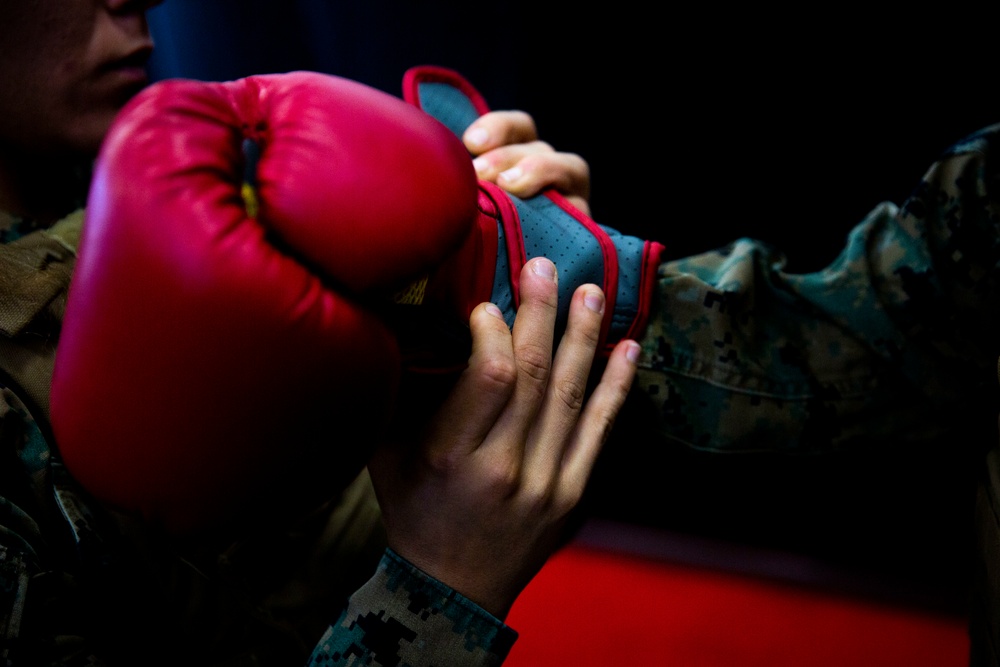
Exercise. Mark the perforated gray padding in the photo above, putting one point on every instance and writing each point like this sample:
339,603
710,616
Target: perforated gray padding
551,232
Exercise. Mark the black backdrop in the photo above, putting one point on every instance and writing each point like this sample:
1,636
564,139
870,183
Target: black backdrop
700,124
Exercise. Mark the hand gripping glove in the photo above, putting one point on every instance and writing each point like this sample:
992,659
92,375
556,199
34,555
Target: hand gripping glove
508,232
220,353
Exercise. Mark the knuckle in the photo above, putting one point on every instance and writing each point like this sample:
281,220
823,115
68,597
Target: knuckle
502,475
615,393
443,461
537,499
532,163
534,361
571,393
487,161
587,333
497,375
580,165
583,333
565,503
524,122
602,426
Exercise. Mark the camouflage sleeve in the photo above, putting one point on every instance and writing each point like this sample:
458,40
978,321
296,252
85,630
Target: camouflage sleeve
898,332
32,582
402,617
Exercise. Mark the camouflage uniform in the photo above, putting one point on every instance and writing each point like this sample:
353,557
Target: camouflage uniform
898,338
83,585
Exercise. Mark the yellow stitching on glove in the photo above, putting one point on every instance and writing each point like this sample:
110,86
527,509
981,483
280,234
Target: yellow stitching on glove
412,295
250,201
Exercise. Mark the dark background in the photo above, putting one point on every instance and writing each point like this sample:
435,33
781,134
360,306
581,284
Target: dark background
700,125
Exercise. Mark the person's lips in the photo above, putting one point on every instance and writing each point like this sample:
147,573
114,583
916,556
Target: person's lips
131,68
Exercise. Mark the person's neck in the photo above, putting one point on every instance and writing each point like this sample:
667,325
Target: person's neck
41,188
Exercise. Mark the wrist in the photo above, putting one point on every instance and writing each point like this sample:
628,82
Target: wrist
457,589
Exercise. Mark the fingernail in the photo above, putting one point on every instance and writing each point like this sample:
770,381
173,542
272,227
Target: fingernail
511,174
632,351
480,164
477,136
544,268
492,309
594,301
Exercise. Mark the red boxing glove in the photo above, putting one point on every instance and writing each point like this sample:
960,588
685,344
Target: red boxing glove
215,359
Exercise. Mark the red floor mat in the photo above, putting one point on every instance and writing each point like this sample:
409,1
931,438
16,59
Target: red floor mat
591,607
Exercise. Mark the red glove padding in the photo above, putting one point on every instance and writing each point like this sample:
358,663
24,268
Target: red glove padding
213,363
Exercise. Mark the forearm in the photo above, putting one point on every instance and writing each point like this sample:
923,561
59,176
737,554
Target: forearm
897,332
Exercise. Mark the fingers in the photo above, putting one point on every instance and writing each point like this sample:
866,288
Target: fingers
509,154
481,392
532,345
567,387
527,169
499,128
595,424
497,397
511,448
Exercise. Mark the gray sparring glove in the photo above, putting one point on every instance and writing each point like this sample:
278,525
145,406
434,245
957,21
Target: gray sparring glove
433,314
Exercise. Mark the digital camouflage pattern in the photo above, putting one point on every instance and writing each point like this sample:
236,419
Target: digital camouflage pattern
893,337
81,584
361,637
897,339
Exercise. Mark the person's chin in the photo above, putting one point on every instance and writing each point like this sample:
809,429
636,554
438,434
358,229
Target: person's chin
89,132
105,103
113,87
